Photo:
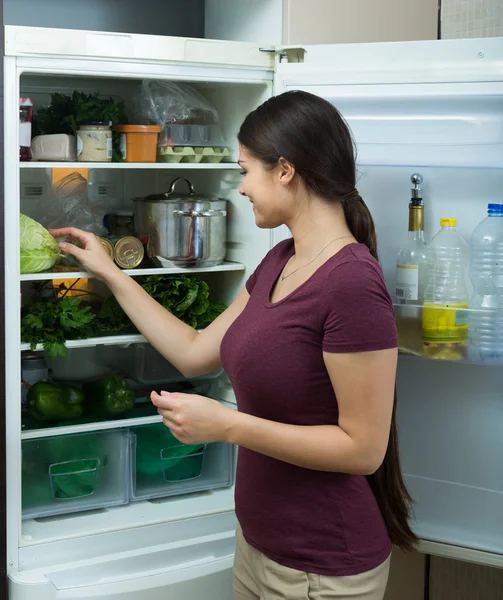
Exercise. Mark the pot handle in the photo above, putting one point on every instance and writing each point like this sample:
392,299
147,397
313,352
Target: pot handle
175,181
199,213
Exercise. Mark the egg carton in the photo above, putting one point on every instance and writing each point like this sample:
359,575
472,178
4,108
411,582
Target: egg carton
186,154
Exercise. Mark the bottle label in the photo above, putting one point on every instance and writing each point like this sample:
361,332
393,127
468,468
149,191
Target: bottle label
443,324
407,282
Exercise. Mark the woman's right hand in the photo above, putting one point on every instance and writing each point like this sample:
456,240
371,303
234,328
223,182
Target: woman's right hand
91,255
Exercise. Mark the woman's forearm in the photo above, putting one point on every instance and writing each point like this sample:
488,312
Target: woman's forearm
322,447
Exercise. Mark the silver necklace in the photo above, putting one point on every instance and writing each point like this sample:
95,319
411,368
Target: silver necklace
312,261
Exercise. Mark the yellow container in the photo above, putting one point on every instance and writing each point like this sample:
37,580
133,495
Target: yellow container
445,330
138,142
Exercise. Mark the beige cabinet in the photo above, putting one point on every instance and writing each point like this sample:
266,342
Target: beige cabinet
346,21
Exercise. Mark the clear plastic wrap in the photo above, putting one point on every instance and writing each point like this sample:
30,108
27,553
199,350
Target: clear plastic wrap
68,205
166,103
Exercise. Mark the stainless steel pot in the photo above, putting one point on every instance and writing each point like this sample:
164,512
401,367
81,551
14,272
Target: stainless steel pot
182,230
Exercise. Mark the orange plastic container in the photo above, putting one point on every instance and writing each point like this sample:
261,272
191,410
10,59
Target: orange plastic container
139,143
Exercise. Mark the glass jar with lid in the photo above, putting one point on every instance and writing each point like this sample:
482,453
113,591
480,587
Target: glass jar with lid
94,141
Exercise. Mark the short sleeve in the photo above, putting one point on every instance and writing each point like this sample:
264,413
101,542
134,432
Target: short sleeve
358,310
252,280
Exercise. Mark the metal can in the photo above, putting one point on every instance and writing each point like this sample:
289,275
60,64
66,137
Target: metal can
128,252
107,244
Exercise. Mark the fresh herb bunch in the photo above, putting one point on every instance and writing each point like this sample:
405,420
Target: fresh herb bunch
53,321
64,114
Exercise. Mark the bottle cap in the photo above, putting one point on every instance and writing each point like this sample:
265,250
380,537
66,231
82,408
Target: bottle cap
448,222
495,209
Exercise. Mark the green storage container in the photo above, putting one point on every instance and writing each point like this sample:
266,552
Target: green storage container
163,466
73,473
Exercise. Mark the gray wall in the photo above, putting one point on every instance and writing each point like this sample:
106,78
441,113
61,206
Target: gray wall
159,17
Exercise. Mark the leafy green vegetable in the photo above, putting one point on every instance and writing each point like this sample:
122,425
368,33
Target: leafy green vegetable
52,322
39,250
64,114
187,297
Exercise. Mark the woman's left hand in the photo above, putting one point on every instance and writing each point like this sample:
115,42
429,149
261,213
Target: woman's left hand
194,419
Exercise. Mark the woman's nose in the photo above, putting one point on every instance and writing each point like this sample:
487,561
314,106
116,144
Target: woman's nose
241,190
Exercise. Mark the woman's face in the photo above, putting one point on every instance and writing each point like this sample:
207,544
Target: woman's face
268,190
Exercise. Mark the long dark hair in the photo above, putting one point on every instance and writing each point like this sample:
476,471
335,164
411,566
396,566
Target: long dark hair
310,133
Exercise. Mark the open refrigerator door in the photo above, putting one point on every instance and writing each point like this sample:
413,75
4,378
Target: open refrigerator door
433,108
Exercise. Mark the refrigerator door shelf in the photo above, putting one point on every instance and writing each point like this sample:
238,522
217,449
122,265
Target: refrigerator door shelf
189,567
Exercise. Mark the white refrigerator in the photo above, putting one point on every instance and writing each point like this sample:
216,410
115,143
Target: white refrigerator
429,107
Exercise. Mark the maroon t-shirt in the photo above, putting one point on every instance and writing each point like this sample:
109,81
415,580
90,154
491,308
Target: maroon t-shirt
313,521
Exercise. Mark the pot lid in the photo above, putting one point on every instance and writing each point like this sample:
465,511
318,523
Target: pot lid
174,196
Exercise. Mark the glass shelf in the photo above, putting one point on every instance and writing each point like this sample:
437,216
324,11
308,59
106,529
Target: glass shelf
448,333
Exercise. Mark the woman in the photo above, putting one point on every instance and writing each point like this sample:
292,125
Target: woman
310,347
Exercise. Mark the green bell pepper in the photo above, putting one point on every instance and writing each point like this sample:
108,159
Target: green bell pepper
108,396
54,401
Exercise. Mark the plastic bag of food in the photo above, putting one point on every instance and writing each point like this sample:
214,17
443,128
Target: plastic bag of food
68,205
187,118
165,102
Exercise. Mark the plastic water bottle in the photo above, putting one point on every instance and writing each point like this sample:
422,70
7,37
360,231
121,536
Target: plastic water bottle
486,273
445,318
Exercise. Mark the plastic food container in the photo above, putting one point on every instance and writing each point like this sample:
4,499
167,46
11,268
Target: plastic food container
55,147
161,466
192,143
65,474
94,142
138,142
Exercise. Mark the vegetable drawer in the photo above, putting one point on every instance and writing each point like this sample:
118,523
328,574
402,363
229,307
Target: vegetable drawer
66,474
161,466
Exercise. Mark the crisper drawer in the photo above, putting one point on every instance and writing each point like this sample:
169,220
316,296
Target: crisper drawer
161,466
66,474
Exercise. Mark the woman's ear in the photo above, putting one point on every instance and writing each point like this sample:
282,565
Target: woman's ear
286,171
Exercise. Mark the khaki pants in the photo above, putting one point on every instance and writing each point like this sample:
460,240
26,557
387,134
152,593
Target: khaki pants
257,577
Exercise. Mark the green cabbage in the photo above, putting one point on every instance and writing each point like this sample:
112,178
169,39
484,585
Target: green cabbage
39,250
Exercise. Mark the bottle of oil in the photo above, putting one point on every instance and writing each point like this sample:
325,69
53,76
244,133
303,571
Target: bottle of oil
412,275
445,318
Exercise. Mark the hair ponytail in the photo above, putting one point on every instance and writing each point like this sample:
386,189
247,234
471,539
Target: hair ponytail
310,133
360,221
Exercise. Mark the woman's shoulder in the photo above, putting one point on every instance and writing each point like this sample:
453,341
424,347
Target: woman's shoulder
355,275
354,260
